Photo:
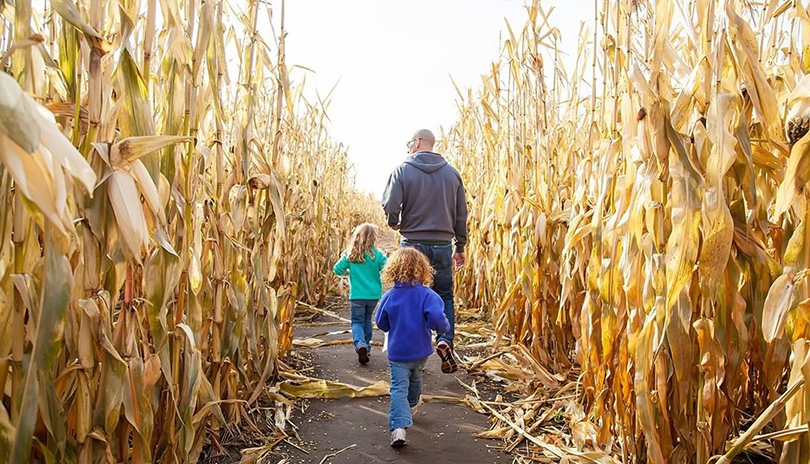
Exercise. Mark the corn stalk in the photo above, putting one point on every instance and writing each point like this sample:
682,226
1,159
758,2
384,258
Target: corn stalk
156,229
650,227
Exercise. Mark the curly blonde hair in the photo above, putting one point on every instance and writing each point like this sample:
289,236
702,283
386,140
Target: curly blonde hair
407,265
362,242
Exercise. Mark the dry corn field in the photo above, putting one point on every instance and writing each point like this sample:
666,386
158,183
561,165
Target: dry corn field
644,218
639,230
162,214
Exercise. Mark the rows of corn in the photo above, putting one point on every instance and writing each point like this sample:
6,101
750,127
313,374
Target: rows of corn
644,215
165,192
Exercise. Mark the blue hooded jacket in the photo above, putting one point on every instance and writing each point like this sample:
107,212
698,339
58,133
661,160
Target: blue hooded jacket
408,312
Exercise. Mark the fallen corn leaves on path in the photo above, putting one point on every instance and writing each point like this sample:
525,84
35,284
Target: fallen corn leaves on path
465,418
441,428
328,427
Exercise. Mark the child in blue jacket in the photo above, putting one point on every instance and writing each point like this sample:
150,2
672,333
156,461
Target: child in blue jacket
407,313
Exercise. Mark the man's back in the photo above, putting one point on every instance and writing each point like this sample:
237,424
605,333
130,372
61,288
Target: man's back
428,194
425,200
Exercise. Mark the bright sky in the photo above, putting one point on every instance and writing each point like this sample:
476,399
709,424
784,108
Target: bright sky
394,59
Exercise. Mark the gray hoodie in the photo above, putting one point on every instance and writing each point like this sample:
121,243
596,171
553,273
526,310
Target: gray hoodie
425,197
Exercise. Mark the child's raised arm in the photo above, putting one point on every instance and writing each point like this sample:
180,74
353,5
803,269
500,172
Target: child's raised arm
433,308
341,266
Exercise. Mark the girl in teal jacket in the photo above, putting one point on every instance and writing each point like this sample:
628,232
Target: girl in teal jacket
364,262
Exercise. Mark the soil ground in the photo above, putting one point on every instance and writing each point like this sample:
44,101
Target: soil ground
441,432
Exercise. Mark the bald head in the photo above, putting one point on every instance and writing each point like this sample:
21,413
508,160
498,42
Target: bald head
422,140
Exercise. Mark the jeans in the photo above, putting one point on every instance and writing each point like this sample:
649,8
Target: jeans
441,258
361,322
406,388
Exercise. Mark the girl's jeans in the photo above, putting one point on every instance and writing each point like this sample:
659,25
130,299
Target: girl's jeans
406,388
361,322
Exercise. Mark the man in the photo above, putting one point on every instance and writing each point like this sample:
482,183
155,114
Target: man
425,201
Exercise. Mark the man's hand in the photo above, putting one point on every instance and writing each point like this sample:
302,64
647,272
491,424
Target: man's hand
459,259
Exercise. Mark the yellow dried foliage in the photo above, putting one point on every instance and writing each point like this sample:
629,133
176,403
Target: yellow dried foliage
160,218
643,215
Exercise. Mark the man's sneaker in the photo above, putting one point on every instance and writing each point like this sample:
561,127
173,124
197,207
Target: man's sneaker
448,361
362,355
398,437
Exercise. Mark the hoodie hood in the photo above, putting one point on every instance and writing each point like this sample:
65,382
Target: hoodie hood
426,161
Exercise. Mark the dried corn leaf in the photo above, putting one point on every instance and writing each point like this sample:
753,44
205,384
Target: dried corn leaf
305,387
774,313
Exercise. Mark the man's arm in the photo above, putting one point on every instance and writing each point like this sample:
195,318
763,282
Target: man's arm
392,199
460,227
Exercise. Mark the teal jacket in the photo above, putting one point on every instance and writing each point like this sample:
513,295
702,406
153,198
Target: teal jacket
364,278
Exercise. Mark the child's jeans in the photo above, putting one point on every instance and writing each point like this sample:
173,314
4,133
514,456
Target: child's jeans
362,311
406,388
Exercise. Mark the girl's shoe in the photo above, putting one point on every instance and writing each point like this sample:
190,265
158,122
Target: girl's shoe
446,353
362,355
398,437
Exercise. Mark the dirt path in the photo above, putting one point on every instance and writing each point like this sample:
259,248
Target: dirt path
442,432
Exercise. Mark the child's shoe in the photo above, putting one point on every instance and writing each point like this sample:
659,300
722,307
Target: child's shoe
446,353
362,355
398,437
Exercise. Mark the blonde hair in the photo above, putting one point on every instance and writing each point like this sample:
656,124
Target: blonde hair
407,265
362,242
